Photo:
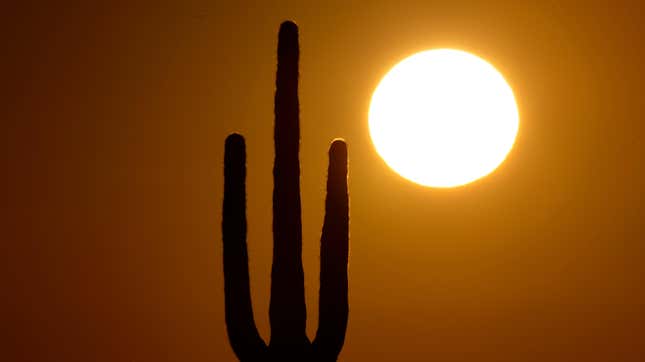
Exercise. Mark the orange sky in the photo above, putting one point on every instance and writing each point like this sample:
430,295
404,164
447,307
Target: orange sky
113,154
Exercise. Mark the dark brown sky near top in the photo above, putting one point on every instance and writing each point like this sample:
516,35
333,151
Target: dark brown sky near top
114,119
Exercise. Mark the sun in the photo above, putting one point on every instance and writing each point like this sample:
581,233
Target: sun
443,118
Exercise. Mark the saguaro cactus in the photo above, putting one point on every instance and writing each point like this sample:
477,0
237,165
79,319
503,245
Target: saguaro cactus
287,312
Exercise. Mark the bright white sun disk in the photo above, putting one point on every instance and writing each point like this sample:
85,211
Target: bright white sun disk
443,118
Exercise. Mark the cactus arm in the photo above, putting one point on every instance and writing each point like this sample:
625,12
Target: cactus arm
334,250
242,332
287,312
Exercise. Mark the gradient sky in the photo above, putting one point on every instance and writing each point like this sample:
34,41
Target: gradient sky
113,153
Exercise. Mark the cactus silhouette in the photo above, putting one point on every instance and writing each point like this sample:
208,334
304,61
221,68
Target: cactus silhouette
287,312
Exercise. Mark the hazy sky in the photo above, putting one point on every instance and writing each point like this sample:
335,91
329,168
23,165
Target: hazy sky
113,152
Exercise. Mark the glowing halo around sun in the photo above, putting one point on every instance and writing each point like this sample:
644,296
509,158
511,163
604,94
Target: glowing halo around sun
443,118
